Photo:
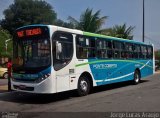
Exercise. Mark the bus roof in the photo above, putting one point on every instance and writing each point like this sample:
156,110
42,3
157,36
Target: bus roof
31,26
87,33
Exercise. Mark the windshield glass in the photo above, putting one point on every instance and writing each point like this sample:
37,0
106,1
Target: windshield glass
31,52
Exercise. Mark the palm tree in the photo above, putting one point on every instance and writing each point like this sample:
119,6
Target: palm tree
120,31
89,21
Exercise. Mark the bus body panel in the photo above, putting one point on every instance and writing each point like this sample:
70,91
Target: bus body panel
113,71
46,86
64,76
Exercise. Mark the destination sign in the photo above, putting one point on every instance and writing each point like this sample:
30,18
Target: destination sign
29,32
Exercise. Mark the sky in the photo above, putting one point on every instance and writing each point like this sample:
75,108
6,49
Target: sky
118,12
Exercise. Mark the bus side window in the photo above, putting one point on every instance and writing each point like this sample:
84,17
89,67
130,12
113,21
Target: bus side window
80,45
149,53
101,49
117,49
129,51
85,47
133,53
91,47
144,51
123,55
109,49
136,51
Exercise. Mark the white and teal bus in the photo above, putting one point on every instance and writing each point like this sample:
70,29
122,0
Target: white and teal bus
51,59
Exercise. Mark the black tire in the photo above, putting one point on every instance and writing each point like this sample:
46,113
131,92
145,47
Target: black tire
84,86
5,75
137,78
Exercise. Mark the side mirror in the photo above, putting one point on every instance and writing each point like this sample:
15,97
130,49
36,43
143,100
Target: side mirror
58,49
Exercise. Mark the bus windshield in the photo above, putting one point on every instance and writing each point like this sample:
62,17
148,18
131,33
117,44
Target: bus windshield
31,53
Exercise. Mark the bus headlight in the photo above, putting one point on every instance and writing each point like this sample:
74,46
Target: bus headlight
43,77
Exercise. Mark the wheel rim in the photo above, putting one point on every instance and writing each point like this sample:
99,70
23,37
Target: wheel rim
136,78
83,85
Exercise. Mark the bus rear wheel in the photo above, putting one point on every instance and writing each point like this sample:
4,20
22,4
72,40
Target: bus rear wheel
84,86
137,78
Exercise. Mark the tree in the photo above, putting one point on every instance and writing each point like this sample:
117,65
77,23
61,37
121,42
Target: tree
25,12
89,21
120,31
64,24
5,35
157,55
157,58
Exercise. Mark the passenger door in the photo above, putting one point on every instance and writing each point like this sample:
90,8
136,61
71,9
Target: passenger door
62,56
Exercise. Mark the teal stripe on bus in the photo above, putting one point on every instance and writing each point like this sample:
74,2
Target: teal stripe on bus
101,61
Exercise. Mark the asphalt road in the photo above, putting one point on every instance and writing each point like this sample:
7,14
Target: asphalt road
121,97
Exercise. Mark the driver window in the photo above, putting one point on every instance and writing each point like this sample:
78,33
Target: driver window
62,49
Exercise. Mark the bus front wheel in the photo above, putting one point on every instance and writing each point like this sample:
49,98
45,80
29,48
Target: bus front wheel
137,77
84,86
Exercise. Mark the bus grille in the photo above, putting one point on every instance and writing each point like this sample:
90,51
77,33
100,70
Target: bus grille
23,88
